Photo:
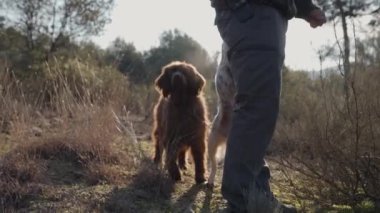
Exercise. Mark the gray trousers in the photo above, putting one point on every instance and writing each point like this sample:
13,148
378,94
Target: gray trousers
256,57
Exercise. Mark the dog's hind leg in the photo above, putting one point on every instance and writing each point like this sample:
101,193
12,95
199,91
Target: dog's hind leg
215,139
218,136
225,88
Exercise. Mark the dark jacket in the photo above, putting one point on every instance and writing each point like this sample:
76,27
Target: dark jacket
304,7
300,8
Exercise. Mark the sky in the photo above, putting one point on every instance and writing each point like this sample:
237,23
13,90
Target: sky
142,22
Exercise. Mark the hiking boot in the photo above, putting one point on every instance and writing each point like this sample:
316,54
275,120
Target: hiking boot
284,208
279,208
232,209
265,202
288,209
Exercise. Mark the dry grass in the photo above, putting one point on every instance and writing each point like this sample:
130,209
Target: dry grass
88,152
61,129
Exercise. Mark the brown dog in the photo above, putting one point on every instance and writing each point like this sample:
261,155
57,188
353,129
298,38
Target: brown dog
180,119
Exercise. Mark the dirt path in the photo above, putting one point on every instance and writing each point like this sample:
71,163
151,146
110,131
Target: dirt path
142,189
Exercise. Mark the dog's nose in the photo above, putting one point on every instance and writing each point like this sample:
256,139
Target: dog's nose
178,78
177,74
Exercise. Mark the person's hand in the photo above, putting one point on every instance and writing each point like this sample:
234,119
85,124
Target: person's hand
316,18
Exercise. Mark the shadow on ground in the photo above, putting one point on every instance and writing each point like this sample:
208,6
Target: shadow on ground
189,201
151,190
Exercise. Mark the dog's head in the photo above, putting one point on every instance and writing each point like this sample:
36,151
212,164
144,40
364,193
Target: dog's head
180,80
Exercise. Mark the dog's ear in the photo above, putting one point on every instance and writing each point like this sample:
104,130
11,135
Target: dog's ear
163,82
197,83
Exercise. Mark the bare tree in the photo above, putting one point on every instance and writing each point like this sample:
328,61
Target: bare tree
58,19
344,10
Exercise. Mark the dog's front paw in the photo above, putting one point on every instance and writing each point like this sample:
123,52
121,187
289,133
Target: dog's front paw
183,166
200,180
175,174
176,178
210,185
157,160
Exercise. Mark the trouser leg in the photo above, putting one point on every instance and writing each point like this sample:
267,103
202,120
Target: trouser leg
256,58
251,132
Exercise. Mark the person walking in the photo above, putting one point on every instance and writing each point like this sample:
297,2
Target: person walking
254,31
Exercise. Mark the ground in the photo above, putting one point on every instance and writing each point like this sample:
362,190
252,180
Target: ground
144,189
118,177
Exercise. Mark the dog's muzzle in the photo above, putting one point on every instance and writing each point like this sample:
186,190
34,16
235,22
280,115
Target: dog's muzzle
178,79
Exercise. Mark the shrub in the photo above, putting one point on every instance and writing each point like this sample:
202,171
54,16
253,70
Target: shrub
329,145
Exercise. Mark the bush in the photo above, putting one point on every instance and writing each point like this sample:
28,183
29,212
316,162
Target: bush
329,145
89,149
